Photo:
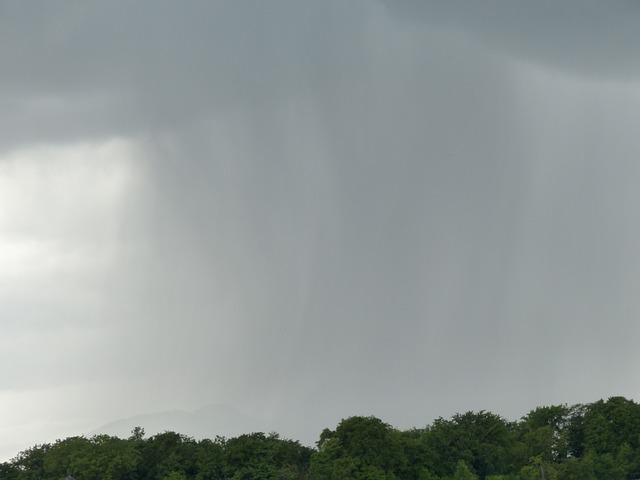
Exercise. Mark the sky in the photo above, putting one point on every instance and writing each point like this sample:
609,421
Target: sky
306,210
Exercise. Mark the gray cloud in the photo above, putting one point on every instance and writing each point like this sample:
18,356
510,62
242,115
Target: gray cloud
590,38
93,66
332,210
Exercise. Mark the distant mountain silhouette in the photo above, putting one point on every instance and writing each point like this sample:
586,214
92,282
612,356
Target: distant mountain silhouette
207,422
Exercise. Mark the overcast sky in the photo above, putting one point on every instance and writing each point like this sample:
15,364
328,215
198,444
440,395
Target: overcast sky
315,209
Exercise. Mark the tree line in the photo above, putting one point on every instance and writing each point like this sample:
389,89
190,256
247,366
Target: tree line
595,441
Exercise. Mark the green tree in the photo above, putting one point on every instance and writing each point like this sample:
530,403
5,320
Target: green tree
463,472
31,462
137,434
167,453
575,469
545,432
417,457
258,455
8,471
175,476
360,447
368,440
330,463
209,459
538,469
100,458
482,439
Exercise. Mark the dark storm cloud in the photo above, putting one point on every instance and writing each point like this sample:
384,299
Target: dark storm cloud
592,38
74,69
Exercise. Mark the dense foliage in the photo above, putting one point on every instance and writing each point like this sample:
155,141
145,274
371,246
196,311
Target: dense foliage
600,440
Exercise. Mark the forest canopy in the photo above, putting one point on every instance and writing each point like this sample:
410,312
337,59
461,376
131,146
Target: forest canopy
599,440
